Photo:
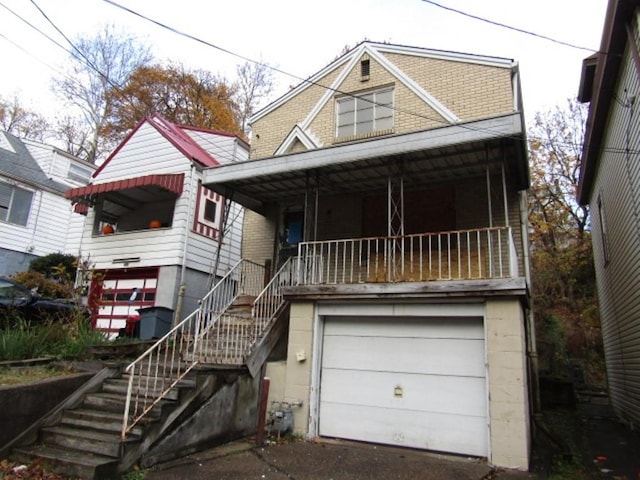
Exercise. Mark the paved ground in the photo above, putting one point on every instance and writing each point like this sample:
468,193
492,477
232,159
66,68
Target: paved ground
334,460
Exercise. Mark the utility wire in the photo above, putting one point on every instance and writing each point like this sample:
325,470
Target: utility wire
509,27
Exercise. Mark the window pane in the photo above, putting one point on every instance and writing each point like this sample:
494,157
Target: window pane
210,211
346,105
364,127
384,98
383,112
384,123
346,118
345,131
20,206
365,115
5,195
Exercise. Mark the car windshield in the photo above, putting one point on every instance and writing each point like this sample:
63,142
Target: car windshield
10,292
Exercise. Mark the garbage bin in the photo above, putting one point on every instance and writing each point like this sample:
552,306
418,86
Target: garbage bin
155,322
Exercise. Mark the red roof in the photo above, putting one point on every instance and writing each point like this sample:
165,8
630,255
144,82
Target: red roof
174,134
170,182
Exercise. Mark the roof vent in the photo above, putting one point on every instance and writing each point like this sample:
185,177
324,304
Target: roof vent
364,69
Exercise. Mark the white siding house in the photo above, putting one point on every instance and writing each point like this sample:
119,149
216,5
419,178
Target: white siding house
168,230
35,218
610,185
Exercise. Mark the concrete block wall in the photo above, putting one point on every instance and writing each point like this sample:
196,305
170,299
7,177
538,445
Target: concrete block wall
508,404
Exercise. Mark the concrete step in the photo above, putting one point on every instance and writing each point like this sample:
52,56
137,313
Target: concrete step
145,384
71,463
97,421
93,441
105,402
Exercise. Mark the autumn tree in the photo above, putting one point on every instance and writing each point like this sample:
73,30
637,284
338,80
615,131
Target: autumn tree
98,64
188,97
21,122
561,257
253,85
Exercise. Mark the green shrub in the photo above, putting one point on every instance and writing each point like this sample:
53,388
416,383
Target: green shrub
58,266
45,286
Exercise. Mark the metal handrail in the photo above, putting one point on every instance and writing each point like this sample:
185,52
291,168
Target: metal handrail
160,368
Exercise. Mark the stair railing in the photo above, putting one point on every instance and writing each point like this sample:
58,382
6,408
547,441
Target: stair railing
268,304
159,369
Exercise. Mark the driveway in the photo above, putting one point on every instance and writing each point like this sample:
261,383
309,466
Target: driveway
328,460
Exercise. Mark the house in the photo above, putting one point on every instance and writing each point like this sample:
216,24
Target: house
386,194
610,185
35,218
152,227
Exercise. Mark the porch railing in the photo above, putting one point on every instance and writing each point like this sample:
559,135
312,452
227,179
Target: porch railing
158,370
486,253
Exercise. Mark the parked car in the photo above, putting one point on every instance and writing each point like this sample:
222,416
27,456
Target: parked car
27,304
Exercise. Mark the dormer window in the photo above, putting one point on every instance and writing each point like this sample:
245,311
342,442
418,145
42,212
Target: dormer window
364,113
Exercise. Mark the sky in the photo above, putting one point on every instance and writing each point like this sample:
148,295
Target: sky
301,37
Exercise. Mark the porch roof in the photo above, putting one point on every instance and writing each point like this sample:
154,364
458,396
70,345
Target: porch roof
427,157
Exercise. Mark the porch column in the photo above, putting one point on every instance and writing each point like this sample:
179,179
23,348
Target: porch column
311,207
395,221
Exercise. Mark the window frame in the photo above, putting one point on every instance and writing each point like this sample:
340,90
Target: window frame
9,213
374,111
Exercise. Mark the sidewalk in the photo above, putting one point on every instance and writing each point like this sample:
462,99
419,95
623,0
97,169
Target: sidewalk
336,460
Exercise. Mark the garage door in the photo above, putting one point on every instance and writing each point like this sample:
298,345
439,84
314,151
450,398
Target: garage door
415,382
122,293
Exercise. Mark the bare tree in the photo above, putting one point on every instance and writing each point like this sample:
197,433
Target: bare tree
17,120
253,86
98,64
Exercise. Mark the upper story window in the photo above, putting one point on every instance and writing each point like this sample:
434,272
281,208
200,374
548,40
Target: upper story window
79,173
365,113
15,204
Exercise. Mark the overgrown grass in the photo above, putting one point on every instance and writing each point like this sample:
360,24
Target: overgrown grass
68,338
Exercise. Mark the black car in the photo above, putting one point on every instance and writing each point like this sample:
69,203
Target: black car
18,300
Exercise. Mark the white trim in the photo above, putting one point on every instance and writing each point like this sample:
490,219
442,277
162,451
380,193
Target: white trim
298,133
487,381
316,368
401,309
379,48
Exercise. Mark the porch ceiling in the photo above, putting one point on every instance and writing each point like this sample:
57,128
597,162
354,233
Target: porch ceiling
433,156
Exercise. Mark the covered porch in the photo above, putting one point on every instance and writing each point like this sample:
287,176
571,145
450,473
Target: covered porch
437,205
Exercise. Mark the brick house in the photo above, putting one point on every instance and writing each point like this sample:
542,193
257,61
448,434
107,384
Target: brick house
386,196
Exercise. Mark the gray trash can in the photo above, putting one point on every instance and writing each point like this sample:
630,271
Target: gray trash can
155,322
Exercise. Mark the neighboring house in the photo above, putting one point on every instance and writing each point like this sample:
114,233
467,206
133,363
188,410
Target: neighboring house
610,185
391,185
151,225
35,218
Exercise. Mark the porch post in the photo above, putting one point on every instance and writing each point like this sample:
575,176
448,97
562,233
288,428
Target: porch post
395,222
311,209
504,196
489,197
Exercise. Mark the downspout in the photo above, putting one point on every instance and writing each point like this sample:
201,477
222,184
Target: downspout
532,352
183,269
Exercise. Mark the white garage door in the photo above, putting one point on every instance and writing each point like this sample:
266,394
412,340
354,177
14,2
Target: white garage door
415,382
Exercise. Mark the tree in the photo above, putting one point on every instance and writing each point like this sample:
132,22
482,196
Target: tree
254,85
196,98
98,64
563,274
17,120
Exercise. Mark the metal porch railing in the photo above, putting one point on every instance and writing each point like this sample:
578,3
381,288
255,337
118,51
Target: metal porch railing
485,253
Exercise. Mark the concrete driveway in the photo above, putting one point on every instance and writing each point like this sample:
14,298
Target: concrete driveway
328,460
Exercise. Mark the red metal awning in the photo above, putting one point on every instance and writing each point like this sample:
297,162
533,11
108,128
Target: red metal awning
137,186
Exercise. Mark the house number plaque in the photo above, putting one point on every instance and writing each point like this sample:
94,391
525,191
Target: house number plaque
398,392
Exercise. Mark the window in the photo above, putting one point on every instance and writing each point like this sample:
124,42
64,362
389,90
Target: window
79,173
210,211
364,113
15,204
603,230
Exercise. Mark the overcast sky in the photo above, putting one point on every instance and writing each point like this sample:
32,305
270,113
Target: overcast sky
301,37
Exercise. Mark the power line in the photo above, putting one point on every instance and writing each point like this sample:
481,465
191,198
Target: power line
509,27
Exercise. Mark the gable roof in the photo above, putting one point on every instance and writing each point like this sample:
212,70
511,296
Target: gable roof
176,135
597,85
18,164
376,51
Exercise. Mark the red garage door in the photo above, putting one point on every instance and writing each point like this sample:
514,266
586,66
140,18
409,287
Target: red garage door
121,293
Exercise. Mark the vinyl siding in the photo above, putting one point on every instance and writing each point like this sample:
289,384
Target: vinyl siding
617,182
